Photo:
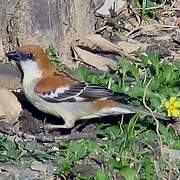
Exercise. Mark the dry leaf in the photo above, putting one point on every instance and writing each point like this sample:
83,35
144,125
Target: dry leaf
105,45
92,59
151,30
130,46
111,4
39,166
96,42
102,43
177,21
10,107
104,10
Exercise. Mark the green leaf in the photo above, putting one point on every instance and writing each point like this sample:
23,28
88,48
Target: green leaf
102,175
40,155
131,126
53,56
155,102
81,73
31,145
124,64
176,144
143,11
154,59
166,74
143,57
64,164
148,168
76,150
128,173
138,91
177,64
114,163
134,71
93,79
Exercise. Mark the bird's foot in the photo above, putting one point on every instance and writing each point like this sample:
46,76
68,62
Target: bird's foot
52,126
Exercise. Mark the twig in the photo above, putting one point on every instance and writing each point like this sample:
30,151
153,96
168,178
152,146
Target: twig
128,56
174,9
121,123
101,29
157,169
140,28
11,131
134,31
157,128
174,2
73,136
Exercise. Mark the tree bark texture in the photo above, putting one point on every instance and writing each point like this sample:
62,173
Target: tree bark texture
45,22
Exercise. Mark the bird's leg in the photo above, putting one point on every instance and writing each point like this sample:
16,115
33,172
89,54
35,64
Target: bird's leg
53,126
79,127
44,126
67,125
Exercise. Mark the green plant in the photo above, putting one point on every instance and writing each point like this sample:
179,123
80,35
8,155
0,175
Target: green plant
132,79
130,147
148,8
53,56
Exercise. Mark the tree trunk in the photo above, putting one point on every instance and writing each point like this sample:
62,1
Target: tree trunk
45,22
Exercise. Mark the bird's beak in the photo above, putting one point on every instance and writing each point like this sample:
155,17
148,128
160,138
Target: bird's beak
14,55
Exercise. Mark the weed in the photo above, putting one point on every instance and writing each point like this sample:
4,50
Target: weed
131,149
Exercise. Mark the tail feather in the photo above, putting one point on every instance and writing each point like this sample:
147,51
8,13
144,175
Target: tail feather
126,109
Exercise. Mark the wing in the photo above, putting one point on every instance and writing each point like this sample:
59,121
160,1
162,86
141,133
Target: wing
80,92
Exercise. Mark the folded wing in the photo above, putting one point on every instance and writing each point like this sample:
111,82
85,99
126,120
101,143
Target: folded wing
80,92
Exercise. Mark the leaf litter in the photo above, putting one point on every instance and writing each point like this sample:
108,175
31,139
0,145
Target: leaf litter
46,155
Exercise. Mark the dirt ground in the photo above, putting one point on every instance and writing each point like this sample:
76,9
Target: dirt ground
124,32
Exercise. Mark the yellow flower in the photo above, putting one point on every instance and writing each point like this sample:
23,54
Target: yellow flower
173,106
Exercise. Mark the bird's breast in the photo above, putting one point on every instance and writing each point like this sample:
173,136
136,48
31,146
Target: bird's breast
39,103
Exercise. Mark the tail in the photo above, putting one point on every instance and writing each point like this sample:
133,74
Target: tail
148,113
126,109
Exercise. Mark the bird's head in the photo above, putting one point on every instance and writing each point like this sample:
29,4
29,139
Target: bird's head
33,60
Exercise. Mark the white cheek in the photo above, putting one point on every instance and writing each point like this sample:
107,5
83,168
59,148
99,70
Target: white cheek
31,69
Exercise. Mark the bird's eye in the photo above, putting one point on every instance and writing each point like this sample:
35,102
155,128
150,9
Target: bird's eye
29,55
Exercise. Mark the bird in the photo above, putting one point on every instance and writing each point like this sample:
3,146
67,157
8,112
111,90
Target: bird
60,94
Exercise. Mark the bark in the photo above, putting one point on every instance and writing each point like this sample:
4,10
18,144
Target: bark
45,22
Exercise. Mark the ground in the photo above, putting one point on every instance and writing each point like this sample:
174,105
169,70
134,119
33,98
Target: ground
145,43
